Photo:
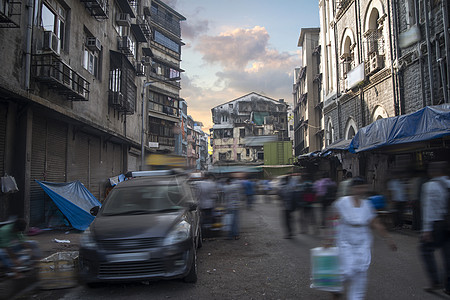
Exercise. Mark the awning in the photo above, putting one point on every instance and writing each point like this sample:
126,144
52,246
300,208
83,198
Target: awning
338,145
428,123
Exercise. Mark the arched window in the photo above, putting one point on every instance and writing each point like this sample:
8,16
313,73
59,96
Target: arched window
373,34
379,113
329,133
350,129
347,53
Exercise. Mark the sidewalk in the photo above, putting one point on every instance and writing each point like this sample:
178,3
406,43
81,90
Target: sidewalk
48,245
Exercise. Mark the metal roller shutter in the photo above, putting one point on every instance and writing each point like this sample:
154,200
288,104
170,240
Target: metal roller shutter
48,163
97,173
79,163
38,154
3,111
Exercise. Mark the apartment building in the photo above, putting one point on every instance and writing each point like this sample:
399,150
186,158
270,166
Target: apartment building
308,125
242,126
74,78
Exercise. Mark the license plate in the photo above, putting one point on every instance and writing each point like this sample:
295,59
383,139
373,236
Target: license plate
123,257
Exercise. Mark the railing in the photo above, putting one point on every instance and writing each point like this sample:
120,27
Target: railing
10,14
97,8
49,69
160,18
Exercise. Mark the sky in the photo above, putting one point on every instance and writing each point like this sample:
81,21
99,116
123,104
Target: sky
236,47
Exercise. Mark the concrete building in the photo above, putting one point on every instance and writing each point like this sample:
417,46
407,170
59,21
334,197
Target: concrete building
358,83
202,146
243,125
308,124
72,89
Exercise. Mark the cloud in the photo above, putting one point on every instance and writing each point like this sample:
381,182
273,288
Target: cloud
191,30
247,64
235,48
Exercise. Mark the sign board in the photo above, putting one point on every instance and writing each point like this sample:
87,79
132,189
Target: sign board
153,144
355,76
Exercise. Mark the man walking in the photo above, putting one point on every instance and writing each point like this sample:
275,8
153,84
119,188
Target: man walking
435,233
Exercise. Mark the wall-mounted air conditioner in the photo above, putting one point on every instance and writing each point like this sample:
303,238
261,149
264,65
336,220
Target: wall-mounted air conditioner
93,44
147,60
51,42
123,19
140,69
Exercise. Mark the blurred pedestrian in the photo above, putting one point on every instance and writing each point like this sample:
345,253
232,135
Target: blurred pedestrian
249,188
398,195
344,185
232,199
307,213
415,190
435,231
287,204
12,245
207,196
325,189
356,216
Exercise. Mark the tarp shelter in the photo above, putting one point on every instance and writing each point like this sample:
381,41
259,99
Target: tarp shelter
428,123
73,200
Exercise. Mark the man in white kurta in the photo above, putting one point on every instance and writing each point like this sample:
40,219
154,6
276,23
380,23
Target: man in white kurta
354,239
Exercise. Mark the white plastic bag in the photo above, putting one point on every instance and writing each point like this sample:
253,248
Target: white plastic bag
325,273
9,184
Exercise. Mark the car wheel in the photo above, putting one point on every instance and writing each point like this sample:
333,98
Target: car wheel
199,239
192,275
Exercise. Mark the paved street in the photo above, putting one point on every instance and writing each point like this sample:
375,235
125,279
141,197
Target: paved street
263,265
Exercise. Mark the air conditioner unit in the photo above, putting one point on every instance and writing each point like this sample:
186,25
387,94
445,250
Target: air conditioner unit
125,44
147,60
51,42
93,44
123,19
140,69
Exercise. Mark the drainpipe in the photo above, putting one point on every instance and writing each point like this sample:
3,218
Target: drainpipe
422,80
440,60
393,72
430,66
446,41
28,44
399,75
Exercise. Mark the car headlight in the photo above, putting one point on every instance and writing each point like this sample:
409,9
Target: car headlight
178,234
87,240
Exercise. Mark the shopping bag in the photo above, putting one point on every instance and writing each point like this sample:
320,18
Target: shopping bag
9,184
227,222
325,273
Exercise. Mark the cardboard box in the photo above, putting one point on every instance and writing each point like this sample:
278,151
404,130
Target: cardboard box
59,270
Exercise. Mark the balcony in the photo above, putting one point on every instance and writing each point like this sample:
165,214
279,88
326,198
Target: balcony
49,69
97,8
120,102
160,18
10,14
125,45
141,30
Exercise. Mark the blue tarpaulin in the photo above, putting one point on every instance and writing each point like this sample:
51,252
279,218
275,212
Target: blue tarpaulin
73,200
427,123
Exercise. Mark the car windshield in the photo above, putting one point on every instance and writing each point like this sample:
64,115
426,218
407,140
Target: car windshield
143,200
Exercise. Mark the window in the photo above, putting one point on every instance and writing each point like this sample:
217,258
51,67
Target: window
224,118
239,156
165,41
230,105
53,18
242,132
222,156
260,155
91,62
247,152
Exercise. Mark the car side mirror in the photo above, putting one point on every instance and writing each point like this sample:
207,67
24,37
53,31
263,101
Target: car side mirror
193,206
94,210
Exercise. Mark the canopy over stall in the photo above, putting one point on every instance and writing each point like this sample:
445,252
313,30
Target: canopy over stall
428,123
73,200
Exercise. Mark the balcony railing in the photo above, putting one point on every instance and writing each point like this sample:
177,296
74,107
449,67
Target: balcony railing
49,69
160,18
97,8
10,14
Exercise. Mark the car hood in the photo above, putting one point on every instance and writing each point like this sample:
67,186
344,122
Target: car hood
134,226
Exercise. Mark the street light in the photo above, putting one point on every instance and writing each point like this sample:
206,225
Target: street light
144,116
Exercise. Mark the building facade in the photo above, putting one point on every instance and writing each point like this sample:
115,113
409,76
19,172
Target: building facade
243,125
308,125
71,93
